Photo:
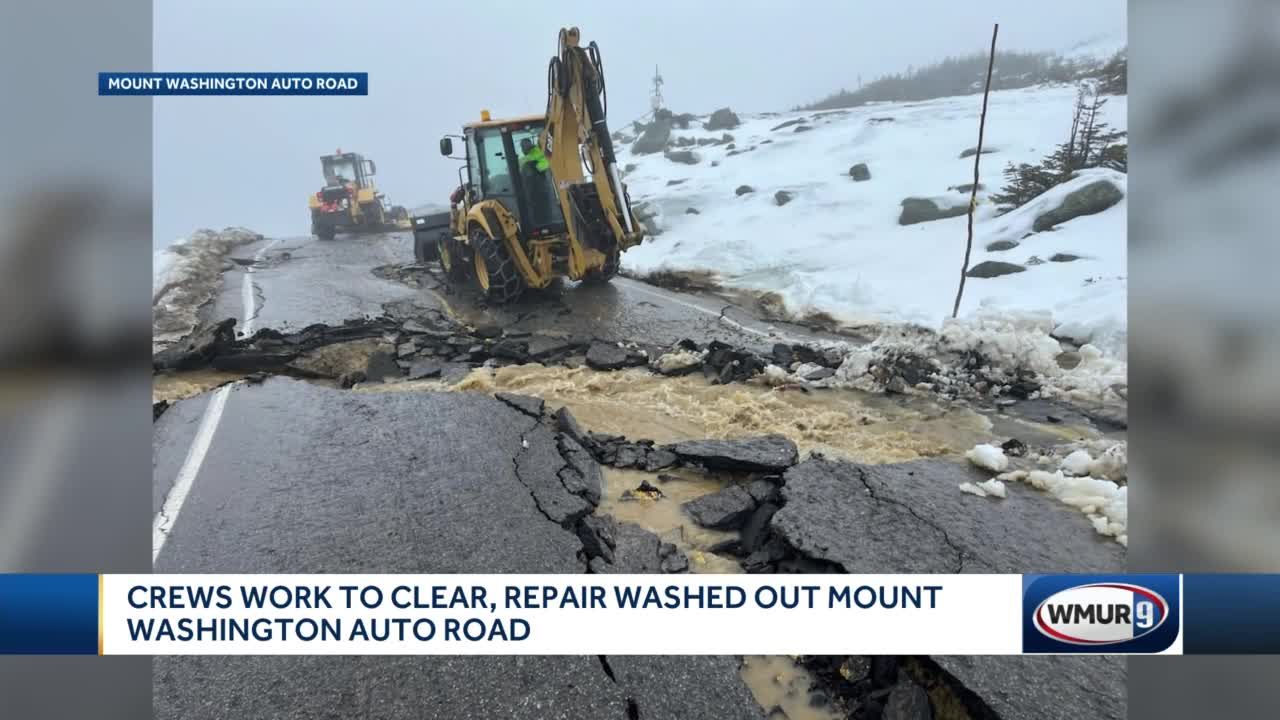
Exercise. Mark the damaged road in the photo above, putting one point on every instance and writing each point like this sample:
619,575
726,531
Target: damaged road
369,482
302,474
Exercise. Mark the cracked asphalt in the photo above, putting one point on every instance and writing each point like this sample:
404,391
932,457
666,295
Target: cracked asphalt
301,478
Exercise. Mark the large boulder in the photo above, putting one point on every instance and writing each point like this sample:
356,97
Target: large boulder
993,268
722,119
744,190
688,157
860,172
918,210
654,139
1088,200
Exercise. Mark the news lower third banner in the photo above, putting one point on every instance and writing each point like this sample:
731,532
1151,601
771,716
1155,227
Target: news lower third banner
638,614
233,83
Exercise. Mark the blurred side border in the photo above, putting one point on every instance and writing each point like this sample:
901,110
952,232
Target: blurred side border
75,265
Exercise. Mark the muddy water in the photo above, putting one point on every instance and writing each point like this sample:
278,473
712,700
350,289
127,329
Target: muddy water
664,517
849,424
778,682
173,387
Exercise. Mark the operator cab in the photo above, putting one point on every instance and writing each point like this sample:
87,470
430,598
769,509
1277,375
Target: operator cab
341,168
497,169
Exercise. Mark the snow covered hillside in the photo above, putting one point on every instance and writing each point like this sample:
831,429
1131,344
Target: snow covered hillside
824,242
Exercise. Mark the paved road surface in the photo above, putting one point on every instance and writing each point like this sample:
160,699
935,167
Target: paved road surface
289,476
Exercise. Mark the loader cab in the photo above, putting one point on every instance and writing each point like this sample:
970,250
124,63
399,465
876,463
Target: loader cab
497,170
347,167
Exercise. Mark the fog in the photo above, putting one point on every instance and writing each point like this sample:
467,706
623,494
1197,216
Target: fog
252,161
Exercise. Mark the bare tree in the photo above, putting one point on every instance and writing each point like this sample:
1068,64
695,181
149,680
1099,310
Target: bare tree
973,196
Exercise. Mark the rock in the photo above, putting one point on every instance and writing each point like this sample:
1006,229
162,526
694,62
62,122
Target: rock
639,551
648,490
764,453
860,172
763,490
722,119
692,211
1069,360
509,349
782,197
1001,245
1013,447
687,157
488,332
993,268
907,701
568,424
756,529
802,128
743,190
786,124
681,181
608,356
1088,200
597,533
715,163
1033,260
659,459
783,355
581,475
1063,257
630,167
726,509
406,350
820,374
381,366
350,379
654,138
918,210
974,151
527,404
424,369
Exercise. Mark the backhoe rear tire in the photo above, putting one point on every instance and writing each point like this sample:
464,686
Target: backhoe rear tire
495,271
323,232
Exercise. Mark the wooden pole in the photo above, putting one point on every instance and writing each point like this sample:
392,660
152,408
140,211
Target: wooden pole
973,196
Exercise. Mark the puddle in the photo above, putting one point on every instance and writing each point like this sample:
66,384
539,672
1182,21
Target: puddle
857,426
665,518
778,682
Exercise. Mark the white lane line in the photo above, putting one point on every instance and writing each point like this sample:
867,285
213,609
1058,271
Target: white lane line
162,525
712,313
168,514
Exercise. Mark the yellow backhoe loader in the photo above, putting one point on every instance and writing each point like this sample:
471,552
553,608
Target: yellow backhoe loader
540,197
349,201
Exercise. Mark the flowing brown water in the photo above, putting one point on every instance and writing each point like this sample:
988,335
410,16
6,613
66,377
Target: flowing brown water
638,404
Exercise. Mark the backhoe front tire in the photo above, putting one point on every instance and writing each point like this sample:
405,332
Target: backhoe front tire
495,270
604,274
449,253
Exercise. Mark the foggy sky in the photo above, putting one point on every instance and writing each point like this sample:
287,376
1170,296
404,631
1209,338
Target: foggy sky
253,161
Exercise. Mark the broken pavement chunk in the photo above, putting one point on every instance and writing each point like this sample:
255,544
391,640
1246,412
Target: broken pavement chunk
527,404
763,453
726,509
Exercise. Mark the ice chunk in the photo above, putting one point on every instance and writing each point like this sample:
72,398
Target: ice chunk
1077,463
989,457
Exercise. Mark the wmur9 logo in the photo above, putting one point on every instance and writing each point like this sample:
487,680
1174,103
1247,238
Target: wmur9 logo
1100,613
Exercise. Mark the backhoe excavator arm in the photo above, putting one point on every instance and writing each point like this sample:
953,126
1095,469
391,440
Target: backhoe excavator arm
576,134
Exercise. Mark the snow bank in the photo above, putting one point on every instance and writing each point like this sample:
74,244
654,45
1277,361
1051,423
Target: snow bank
186,275
837,247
